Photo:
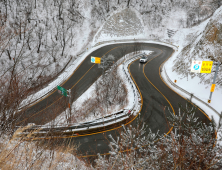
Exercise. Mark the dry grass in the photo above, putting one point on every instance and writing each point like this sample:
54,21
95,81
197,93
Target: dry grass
20,153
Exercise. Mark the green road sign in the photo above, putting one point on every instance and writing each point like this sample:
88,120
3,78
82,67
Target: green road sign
62,91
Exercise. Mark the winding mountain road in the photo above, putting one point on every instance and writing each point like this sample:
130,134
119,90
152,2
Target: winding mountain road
157,97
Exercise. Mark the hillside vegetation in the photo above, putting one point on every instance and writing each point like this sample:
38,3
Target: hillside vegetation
39,39
206,46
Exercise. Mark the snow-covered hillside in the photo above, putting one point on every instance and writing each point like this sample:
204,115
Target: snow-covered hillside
182,38
202,42
126,23
40,38
205,46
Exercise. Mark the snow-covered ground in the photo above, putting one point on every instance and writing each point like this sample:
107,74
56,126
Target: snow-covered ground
21,154
61,119
181,39
193,85
126,24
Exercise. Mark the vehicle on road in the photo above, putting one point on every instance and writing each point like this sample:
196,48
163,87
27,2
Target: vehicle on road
143,59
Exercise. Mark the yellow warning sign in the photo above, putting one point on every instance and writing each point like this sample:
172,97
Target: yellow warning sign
212,87
206,66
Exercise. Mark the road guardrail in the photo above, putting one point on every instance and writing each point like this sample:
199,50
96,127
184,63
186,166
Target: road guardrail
99,122
186,92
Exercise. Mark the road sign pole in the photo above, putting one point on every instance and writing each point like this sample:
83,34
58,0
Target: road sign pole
103,65
69,102
215,75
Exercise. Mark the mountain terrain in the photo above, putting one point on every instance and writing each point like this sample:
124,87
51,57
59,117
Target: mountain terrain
39,39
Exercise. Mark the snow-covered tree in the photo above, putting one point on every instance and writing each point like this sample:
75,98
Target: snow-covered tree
190,145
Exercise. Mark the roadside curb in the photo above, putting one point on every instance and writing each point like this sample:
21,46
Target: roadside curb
183,92
102,124
51,87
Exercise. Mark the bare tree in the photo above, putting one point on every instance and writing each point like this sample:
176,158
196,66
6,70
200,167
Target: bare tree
60,5
65,34
128,3
74,14
192,146
40,33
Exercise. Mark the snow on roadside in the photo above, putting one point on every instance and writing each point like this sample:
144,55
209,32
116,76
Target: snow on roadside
64,76
189,84
181,39
61,119
181,82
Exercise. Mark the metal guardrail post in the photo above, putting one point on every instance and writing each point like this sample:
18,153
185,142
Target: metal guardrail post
179,88
130,81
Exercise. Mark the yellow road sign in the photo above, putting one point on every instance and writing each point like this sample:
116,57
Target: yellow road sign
96,60
206,66
212,87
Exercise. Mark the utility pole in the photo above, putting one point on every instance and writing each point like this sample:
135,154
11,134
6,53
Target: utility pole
69,104
103,67
213,85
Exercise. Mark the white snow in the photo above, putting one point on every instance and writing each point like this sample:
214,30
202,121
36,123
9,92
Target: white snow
182,37
124,24
189,84
22,154
61,119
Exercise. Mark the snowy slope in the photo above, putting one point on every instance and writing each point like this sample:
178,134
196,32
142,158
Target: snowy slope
182,38
126,23
43,36
194,44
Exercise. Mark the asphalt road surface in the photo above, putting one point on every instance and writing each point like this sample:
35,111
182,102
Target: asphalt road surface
157,97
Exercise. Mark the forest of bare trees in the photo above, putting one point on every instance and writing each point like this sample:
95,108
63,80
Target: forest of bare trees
39,38
190,145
